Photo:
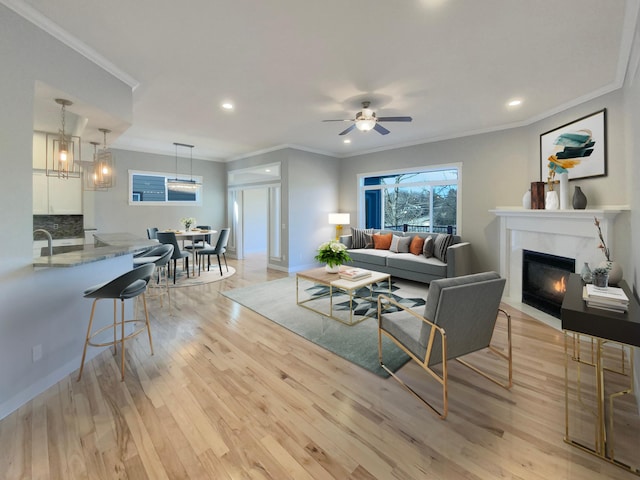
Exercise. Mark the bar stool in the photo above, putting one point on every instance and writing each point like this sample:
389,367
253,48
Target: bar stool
160,257
126,286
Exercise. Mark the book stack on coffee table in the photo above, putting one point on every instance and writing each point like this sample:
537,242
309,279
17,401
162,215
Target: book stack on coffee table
354,273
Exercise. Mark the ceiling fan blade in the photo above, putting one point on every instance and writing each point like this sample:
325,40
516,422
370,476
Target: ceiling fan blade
380,129
344,132
394,119
343,120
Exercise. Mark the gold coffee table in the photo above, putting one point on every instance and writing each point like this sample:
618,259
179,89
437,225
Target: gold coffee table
320,276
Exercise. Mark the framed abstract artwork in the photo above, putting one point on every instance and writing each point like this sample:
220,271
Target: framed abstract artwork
578,148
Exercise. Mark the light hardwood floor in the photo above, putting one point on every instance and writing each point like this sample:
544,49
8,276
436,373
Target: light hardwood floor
230,395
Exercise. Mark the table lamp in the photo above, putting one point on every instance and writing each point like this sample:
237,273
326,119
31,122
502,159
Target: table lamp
339,219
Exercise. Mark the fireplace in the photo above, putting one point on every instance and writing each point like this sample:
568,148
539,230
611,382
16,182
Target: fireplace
544,279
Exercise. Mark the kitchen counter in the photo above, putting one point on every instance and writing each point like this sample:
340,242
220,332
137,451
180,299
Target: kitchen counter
107,245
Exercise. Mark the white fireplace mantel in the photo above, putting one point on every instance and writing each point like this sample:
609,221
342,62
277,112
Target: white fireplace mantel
567,233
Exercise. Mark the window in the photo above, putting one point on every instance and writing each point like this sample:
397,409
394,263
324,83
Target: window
422,200
153,188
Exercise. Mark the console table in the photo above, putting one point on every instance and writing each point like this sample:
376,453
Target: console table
597,329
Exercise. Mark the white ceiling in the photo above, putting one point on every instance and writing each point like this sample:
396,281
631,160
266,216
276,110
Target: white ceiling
288,64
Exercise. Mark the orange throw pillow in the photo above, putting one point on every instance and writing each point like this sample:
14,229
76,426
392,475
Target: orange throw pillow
416,245
382,242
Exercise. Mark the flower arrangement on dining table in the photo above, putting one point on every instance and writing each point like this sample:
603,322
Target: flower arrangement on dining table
188,222
333,253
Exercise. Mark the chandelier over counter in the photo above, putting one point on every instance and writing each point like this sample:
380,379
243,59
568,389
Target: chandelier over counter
63,151
181,184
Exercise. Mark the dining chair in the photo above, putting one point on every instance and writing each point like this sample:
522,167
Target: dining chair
152,233
128,285
459,318
198,243
219,249
170,239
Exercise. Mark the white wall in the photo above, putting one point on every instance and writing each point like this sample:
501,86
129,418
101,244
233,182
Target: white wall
313,194
114,214
29,314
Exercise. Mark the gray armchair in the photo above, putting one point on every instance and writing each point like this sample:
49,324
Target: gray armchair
459,318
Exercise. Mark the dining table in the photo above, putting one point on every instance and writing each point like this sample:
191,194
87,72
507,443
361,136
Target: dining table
193,235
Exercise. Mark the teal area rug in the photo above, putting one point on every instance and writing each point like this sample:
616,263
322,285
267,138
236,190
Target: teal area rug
276,300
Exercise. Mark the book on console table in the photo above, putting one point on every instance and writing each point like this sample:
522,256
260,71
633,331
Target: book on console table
610,298
354,273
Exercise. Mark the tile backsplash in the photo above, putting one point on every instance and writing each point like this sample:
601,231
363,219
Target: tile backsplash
60,226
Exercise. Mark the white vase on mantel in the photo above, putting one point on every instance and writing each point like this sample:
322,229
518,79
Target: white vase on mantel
551,201
526,200
564,190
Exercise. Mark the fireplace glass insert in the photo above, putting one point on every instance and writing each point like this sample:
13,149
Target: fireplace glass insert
544,280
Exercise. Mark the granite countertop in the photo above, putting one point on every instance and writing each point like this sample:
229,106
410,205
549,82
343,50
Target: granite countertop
107,245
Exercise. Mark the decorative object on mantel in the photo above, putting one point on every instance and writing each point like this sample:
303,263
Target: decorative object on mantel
613,268
537,195
526,200
586,273
564,190
600,277
579,199
551,202
579,148
333,254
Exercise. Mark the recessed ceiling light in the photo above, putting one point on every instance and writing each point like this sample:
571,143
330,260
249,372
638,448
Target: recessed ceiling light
347,141
267,170
515,103
227,106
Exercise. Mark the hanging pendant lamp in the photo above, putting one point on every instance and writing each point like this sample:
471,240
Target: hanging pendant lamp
88,168
182,184
99,174
63,151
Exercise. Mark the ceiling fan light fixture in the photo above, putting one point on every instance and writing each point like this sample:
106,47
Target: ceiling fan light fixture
365,124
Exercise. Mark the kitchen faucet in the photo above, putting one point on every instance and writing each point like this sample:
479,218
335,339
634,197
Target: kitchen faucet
49,239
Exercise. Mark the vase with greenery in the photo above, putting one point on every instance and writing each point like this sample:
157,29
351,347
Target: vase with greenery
600,277
333,254
188,222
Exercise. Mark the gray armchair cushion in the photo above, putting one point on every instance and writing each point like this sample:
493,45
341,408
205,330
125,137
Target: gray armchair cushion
466,307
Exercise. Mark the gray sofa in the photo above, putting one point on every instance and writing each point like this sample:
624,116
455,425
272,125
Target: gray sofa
410,266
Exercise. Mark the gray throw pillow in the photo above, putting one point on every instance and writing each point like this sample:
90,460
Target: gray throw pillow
400,244
361,238
440,244
427,249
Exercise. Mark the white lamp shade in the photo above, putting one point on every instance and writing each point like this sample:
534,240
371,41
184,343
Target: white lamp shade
339,219
365,125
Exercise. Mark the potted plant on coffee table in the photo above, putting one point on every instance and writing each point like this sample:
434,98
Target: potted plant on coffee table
333,254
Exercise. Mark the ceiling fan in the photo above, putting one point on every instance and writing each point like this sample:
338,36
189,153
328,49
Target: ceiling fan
366,120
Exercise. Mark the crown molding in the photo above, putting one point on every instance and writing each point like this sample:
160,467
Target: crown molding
53,29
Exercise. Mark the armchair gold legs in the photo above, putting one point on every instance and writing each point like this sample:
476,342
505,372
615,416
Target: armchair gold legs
436,347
